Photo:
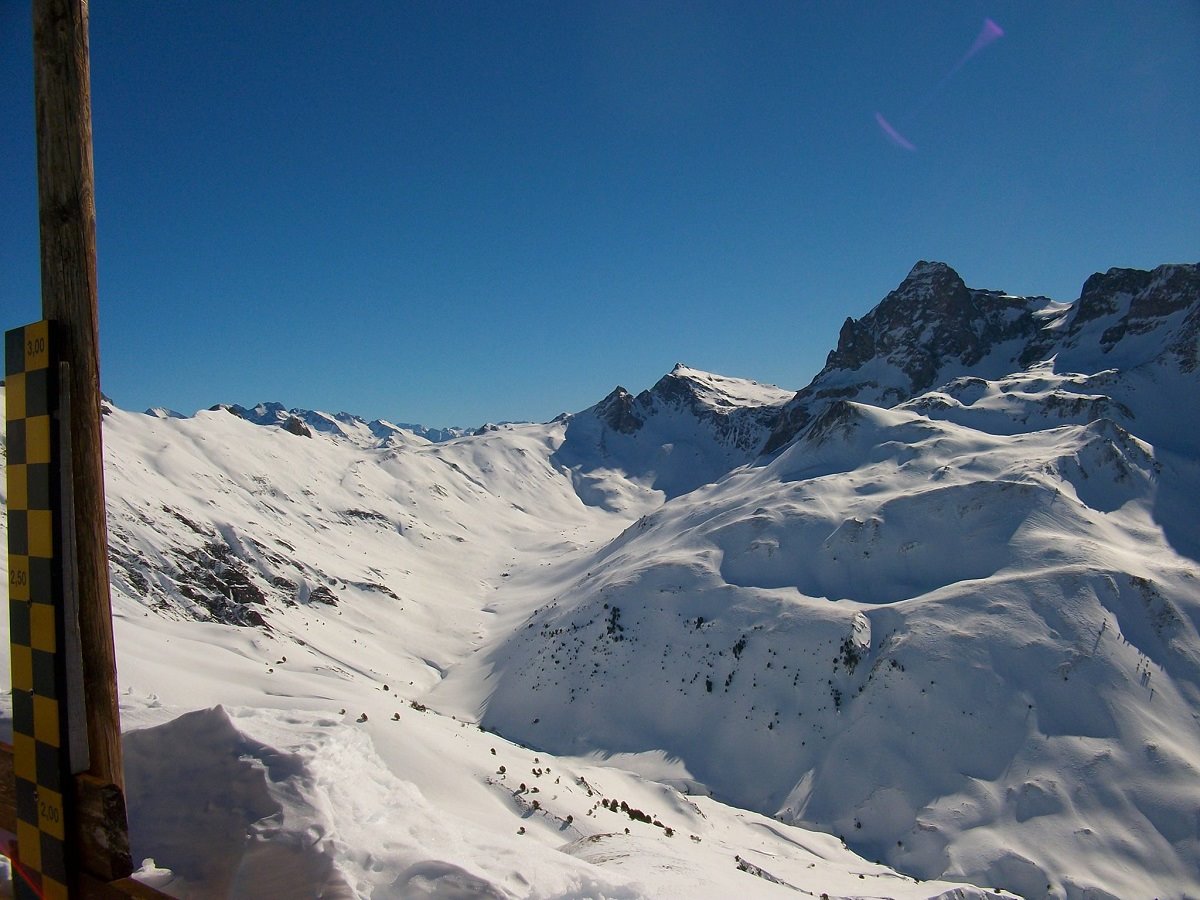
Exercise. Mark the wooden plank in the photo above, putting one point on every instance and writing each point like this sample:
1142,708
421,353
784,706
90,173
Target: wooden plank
92,889
94,807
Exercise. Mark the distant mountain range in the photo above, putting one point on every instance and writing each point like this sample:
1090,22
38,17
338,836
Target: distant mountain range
305,421
942,602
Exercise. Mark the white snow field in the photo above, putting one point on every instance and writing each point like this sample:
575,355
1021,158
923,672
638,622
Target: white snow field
927,628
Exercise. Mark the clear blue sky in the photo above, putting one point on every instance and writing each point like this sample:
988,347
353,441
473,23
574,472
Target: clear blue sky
457,212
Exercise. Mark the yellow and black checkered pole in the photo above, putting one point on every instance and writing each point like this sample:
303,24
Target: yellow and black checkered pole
36,613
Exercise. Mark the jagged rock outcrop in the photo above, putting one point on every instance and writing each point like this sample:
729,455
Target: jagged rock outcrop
1133,302
618,411
934,328
295,425
932,319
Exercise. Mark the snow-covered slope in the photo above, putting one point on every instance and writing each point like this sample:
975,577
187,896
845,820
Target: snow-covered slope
970,655
942,603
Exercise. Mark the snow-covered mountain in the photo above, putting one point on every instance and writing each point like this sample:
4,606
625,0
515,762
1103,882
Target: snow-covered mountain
689,429
970,655
941,604
933,330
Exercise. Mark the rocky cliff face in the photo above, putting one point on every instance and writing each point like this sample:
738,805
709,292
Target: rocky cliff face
932,319
1129,303
619,412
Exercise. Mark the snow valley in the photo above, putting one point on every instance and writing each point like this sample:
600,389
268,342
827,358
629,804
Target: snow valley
926,627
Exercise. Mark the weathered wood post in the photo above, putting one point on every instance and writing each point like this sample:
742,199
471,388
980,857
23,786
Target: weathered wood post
67,219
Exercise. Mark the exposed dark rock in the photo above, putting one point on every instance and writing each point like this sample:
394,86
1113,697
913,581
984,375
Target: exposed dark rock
322,594
294,425
619,411
367,515
1102,293
839,416
1143,300
931,319
1186,346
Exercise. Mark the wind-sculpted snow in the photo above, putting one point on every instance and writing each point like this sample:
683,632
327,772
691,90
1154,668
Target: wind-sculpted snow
265,803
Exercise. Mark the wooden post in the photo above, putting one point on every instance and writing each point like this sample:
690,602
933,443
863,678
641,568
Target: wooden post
67,218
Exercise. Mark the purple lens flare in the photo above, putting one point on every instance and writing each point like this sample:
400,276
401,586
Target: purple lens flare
893,135
989,32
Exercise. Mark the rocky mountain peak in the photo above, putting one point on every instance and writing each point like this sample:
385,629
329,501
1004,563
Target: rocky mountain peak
690,428
933,327
937,275
619,411
930,324
1127,318
676,387
932,317
1140,294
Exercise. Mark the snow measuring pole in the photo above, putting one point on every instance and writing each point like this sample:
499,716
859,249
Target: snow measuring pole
67,805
